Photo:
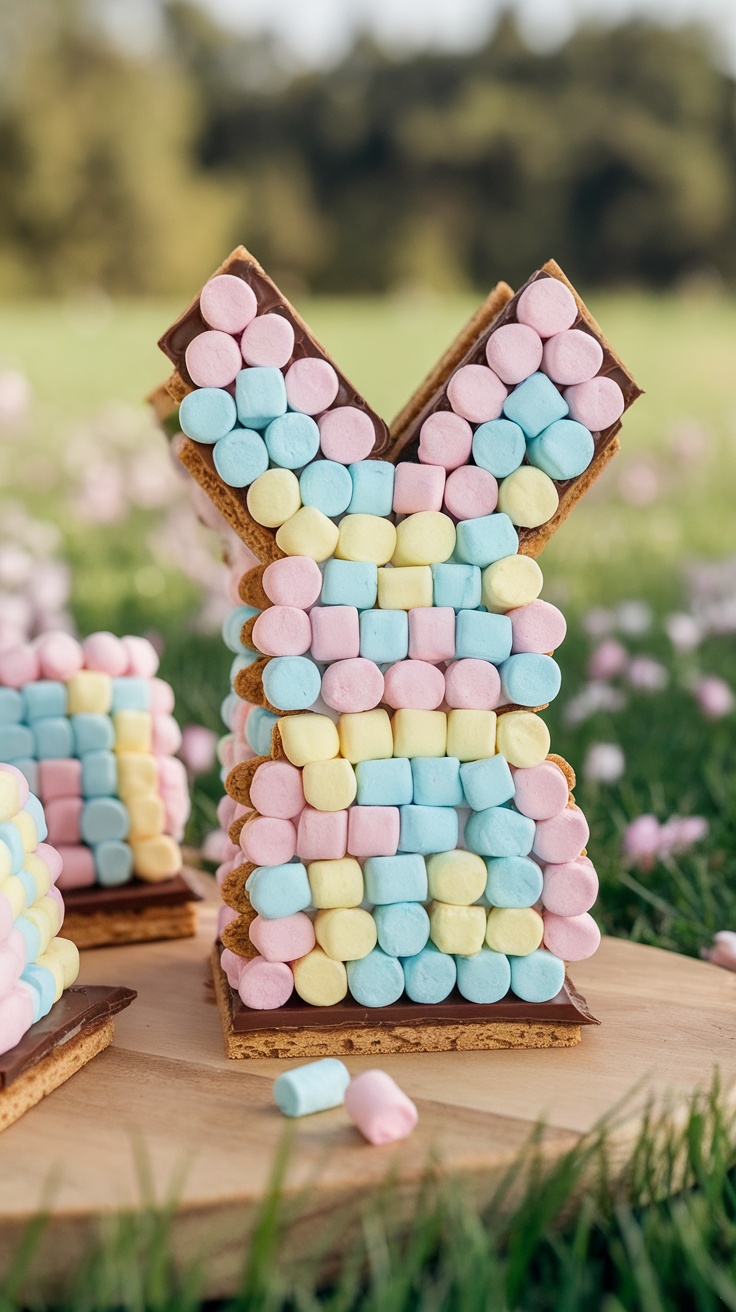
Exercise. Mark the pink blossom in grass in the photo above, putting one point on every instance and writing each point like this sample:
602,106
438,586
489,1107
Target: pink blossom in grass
604,763
681,832
101,498
684,631
722,951
594,697
690,442
597,622
714,697
639,483
198,749
640,843
608,660
647,674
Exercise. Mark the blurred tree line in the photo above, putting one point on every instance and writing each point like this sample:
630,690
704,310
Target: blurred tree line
137,170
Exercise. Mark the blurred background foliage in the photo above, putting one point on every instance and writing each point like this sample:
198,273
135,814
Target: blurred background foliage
134,169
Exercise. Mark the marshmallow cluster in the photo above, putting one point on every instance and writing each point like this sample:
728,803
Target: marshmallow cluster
35,964
90,727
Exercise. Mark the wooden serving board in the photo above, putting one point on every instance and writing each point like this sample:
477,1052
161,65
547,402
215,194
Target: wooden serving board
207,1129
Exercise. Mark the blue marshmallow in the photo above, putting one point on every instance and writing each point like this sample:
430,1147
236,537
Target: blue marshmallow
485,540
403,928
103,818
130,693
29,887
53,738
31,937
10,836
499,446
99,774
232,626
276,891
373,487
45,698
428,829
485,977
457,586
312,1088
113,863
563,450
376,980
513,881
92,733
16,740
482,636
291,683
36,812
430,975
228,707
240,456
529,680
487,783
11,706
384,783
499,831
207,414
384,635
259,729
437,781
537,977
43,986
260,396
327,486
395,879
292,440
535,404
350,582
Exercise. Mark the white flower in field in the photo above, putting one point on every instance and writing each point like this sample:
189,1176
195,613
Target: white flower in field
634,618
609,659
714,697
604,763
595,696
647,674
598,622
683,631
15,396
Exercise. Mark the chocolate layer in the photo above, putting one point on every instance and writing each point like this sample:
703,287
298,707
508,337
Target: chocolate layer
569,1006
80,1007
135,896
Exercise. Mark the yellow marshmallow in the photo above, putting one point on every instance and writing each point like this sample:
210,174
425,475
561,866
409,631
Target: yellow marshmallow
156,858
523,738
457,929
147,816
528,497
308,738
319,980
26,826
365,736
308,533
517,931
419,733
471,735
346,934
274,497
50,908
13,890
39,872
407,588
457,877
426,538
510,582
52,962
40,916
336,883
67,955
137,773
329,785
9,798
89,691
366,537
133,731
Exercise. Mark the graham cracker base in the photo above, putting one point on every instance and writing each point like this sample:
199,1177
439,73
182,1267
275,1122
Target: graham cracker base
97,929
372,1040
53,1070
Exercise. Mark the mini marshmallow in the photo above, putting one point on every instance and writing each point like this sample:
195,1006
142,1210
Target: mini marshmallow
522,737
355,685
100,774
537,626
513,881
391,879
103,818
274,499
373,831
418,487
384,635
240,457
426,829
456,585
19,665
114,863
499,831
537,977
373,487
476,393
499,447
329,785
407,588
471,492
548,306
291,683
366,736
574,938
414,684
529,680
419,733
563,837
445,439
563,450
570,888
260,396
457,929
268,340
268,842
279,890
379,1108
311,385
471,735
484,977
308,738
514,351
366,538
265,985
143,659
335,633
327,486
430,975
535,404
103,651
572,356
472,684
376,980
213,359
541,792
425,538
384,783
345,933
232,636
486,782
52,738
335,884
437,781
42,700
322,835
347,434
312,1088
482,636
516,931
156,858
456,877
596,404
432,634
292,440
295,581
509,583
282,631
490,538
320,980
207,414
133,731
403,928
528,496
228,303
350,583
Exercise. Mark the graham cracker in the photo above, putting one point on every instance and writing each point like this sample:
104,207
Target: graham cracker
97,929
53,1070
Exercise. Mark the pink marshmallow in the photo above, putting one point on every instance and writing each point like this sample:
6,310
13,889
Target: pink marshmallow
176,814
445,439
472,685
335,633
538,627
224,869
570,889
547,306
56,897
232,966
20,781
225,812
265,985
542,791
142,656
418,487
78,867
276,790
476,393
379,1108
373,830
573,938
322,835
172,773
7,917
268,341
562,838
19,665
284,939
572,357
213,359
514,352
10,969
17,944
294,581
471,492
106,653
165,735
51,859
597,404
346,434
268,842
225,916
240,715
415,684
63,816
59,778
432,633
352,685
282,631
311,385
228,303
16,1016
59,654
162,697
